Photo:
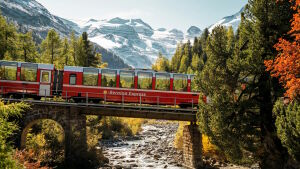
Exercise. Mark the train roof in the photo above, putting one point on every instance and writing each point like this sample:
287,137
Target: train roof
40,65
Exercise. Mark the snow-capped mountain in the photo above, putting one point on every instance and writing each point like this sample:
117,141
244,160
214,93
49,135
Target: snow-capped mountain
29,15
233,21
119,40
135,41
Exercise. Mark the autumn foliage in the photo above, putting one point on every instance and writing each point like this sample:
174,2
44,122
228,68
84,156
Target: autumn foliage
286,66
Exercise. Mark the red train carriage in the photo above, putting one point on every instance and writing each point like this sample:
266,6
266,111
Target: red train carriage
20,78
128,86
92,84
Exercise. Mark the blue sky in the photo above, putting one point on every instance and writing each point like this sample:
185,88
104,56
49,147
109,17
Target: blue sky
169,14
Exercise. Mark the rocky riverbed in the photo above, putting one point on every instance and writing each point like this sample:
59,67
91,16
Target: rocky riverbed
151,148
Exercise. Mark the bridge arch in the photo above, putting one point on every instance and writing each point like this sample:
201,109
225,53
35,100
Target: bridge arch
28,126
72,122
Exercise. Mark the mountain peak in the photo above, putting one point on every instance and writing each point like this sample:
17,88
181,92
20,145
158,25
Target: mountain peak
93,20
193,30
232,20
118,20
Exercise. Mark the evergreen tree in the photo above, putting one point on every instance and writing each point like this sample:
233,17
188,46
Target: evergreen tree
161,64
66,54
91,59
197,63
8,43
184,64
50,48
28,50
74,47
288,126
239,118
175,62
7,129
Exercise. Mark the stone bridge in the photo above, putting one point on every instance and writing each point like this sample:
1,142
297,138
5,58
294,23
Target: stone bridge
72,118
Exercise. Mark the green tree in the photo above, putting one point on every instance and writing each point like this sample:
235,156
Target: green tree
27,47
66,53
238,118
50,48
86,53
73,47
7,129
288,126
161,64
8,43
197,63
184,63
175,62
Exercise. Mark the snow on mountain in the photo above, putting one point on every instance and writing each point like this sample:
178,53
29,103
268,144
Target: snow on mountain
29,15
135,41
233,21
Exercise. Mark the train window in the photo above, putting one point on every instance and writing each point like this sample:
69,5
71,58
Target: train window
90,77
162,81
126,79
193,83
108,78
180,82
145,80
45,76
8,71
72,79
29,72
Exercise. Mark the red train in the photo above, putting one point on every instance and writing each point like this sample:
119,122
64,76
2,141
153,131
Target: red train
92,84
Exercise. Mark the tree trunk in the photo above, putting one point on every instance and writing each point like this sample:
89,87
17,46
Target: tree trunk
273,154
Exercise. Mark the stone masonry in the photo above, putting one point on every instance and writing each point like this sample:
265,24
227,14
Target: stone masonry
70,119
192,147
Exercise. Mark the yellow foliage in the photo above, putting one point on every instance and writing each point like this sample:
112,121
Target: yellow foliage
208,148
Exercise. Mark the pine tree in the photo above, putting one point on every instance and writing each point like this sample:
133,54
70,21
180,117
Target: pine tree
8,43
175,62
184,64
161,63
66,54
74,47
239,117
27,47
50,48
86,53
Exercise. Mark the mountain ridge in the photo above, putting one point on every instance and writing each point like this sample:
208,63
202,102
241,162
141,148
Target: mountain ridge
132,41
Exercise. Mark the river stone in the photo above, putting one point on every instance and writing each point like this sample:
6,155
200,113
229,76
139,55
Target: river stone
156,156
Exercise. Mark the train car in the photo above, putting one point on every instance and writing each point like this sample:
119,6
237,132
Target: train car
30,79
128,86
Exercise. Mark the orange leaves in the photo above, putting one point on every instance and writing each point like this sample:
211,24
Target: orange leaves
286,66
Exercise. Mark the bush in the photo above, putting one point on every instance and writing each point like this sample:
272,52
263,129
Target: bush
7,129
288,126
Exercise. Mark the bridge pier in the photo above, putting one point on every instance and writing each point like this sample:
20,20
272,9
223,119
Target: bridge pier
192,147
75,137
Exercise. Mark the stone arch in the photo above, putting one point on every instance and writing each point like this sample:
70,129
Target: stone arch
72,121
27,126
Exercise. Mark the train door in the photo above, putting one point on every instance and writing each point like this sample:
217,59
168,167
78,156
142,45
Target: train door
45,83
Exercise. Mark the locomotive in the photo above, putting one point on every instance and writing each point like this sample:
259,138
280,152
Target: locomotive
37,80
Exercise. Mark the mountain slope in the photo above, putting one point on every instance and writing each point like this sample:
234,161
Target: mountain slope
233,21
29,15
135,41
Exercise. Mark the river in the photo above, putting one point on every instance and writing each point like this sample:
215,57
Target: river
152,148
